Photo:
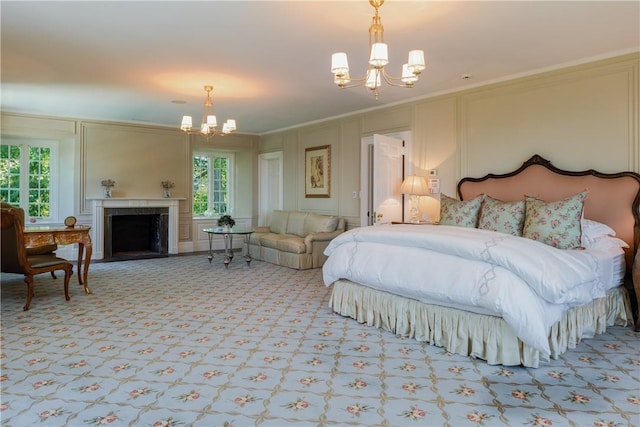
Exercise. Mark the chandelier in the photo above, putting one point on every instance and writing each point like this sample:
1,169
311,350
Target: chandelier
379,57
209,121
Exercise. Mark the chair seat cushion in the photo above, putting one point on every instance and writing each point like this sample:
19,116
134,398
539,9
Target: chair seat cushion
39,250
46,260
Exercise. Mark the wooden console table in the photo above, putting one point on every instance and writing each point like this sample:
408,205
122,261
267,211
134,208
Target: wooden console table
46,234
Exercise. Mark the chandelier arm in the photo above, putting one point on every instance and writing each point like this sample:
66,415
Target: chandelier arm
395,81
355,82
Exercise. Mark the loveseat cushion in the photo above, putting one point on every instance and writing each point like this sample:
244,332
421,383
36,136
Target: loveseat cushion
296,223
316,223
292,244
270,240
278,222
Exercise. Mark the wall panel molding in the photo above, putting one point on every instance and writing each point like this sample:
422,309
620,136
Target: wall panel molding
575,117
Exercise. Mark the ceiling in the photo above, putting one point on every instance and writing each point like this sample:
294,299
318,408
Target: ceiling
269,61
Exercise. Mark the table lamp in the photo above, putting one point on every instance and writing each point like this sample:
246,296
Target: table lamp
415,186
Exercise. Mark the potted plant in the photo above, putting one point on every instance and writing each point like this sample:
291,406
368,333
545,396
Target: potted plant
226,221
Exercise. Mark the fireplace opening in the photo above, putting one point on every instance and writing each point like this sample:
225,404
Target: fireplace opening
136,233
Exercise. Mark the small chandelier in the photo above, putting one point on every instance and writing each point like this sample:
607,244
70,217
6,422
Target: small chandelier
378,59
209,121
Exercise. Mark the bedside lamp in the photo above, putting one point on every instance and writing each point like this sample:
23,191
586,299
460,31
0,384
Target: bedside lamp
415,186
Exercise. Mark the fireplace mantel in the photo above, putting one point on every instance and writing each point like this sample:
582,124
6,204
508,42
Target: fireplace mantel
99,206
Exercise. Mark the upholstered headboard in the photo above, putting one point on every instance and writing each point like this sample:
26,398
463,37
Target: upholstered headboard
614,199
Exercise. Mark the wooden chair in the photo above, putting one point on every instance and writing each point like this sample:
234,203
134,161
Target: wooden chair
14,257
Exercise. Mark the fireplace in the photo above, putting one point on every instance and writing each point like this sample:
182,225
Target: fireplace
148,218
134,233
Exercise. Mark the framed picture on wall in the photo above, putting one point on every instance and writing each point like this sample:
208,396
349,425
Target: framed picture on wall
317,171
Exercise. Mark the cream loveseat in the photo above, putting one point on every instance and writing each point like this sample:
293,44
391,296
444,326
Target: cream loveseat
295,239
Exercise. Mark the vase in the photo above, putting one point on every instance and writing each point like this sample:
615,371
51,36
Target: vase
107,192
166,193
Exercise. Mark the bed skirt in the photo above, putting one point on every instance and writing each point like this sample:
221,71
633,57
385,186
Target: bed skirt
477,335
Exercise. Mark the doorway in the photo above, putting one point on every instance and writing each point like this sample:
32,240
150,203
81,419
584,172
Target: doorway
271,185
383,160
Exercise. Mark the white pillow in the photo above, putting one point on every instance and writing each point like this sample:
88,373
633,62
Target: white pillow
593,230
605,243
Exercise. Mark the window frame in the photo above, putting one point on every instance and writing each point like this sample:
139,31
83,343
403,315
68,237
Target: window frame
231,189
54,178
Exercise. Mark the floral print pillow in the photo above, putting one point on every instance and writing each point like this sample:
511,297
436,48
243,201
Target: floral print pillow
460,213
505,217
555,223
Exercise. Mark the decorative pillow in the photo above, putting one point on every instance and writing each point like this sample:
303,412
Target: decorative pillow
460,213
505,217
316,223
555,223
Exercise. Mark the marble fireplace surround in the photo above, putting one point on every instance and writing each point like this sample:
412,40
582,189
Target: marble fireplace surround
99,205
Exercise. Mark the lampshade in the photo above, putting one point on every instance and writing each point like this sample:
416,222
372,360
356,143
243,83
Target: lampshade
187,123
229,126
339,63
373,79
416,61
407,75
415,185
379,55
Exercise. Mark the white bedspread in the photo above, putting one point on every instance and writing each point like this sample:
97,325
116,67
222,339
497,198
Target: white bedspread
525,282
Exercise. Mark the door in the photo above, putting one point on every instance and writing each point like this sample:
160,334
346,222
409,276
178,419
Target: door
382,174
271,185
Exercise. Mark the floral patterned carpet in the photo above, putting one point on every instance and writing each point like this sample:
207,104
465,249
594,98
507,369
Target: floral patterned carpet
180,342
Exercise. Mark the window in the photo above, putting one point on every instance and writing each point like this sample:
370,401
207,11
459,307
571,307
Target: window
212,184
28,177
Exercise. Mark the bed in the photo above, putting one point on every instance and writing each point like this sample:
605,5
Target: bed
483,290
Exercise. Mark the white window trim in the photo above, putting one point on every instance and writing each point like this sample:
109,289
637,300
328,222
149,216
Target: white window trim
24,183
230,177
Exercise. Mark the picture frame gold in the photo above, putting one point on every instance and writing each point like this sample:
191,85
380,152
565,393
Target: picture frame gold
317,171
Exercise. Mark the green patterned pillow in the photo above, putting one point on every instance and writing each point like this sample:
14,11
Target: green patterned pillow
555,223
505,217
460,213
